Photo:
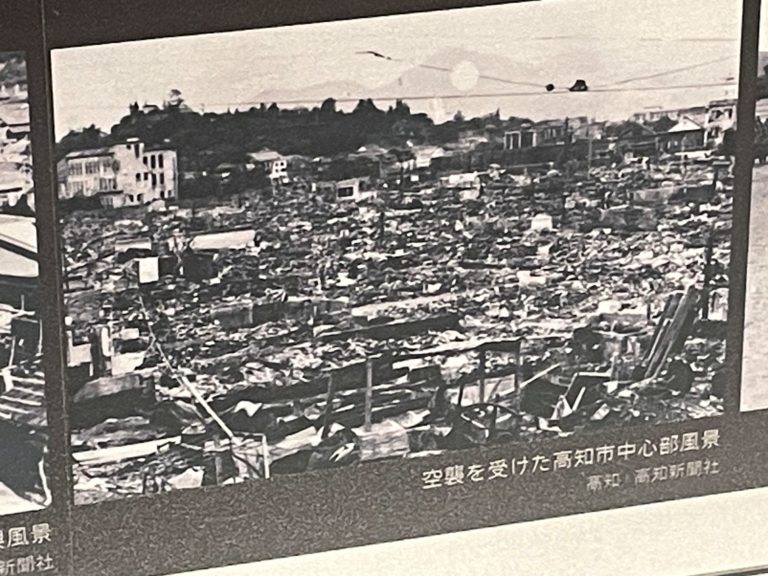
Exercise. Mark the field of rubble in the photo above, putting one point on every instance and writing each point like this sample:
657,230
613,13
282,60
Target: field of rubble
328,334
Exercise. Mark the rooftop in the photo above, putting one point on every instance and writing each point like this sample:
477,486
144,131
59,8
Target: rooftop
12,181
14,113
18,246
685,125
723,102
91,153
265,156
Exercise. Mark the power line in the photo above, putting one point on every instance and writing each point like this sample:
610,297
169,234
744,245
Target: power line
539,85
381,56
669,72
454,96
180,378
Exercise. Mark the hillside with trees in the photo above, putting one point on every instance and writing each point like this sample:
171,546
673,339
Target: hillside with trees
207,140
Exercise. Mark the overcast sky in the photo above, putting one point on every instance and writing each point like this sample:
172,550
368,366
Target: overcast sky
605,42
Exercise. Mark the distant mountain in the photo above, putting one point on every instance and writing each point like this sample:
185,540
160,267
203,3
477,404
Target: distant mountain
13,68
478,84
457,72
456,79
453,77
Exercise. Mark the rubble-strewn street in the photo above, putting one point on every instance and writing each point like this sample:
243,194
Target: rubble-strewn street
264,335
23,425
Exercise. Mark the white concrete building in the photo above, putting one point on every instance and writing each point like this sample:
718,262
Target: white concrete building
695,113
274,165
425,155
721,117
127,174
353,190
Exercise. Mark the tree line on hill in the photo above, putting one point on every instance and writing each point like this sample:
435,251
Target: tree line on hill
207,140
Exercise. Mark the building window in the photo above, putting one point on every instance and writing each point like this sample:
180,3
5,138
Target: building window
153,162
162,176
138,177
146,176
160,160
145,160
154,180
526,139
77,188
513,140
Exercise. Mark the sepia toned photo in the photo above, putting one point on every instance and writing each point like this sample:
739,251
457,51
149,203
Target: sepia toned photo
320,246
23,434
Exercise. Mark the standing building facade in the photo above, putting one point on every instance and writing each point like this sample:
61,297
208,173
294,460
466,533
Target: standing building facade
721,117
127,174
274,165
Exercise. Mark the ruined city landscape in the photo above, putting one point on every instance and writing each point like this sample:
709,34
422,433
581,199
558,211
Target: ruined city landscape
23,428
276,288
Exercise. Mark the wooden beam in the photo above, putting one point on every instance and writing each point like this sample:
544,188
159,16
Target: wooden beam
368,393
119,453
329,406
532,379
481,385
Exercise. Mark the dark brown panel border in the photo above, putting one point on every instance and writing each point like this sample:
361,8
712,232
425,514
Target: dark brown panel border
82,22
743,186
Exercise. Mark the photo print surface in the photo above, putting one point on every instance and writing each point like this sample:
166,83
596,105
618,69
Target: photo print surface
319,246
23,424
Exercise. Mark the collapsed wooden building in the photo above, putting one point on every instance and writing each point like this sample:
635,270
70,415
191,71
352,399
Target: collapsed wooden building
301,336
23,425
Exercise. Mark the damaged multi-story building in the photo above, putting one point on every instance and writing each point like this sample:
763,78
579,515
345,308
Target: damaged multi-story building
126,174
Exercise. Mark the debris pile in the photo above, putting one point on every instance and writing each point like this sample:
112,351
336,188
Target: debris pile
299,332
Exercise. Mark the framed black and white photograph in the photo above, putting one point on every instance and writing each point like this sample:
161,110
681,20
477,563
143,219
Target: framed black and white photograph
319,246
23,427
478,282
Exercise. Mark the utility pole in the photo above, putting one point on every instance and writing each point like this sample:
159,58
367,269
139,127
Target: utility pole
708,273
328,406
368,394
482,370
